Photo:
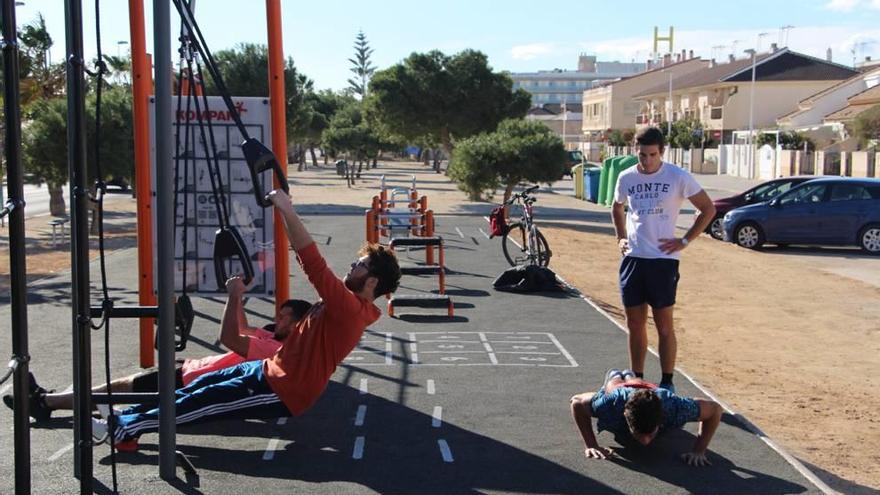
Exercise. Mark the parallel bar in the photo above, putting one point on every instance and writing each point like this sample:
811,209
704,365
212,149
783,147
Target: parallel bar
127,312
17,255
165,238
126,398
79,247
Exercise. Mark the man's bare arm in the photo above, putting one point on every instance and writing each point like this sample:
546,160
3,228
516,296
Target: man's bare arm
710,418
618,216
297,234
229,325
582,415
703,203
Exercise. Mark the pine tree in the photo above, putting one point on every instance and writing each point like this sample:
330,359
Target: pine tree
361,66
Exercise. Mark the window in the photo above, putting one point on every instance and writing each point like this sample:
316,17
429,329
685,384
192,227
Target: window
849,192
716,113
766,192
810,193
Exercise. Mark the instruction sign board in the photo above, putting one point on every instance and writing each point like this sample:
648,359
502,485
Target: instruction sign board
196,213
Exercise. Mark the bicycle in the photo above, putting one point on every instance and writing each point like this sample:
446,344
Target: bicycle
523,242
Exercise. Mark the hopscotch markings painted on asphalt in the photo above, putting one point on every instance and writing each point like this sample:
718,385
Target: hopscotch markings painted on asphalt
563,350
61,452
361,413
270,449
437,417
445,451
358,451
488,347
363,387
431,390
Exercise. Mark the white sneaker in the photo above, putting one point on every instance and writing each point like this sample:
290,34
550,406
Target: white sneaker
99,431
104,411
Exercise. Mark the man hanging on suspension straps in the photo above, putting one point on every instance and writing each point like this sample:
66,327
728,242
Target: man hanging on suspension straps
291,381
245,342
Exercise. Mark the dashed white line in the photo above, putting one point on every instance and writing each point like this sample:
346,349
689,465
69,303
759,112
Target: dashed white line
388,348
437,417
484,234
60,452
562,350
359,419
460,234
444,450
413,348
431,387
358,448
363,389
488,347
282,421
270,449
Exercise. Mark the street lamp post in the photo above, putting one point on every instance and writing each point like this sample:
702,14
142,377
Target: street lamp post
754,55
564,120
671,109
119,47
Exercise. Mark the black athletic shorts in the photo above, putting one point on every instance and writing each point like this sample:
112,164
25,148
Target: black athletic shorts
647,280
149,381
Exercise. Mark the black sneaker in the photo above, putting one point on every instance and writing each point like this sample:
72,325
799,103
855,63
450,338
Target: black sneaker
39,410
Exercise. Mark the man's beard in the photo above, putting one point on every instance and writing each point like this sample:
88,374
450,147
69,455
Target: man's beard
355,284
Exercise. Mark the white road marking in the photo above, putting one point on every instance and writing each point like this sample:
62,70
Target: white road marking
358,448
562,350
5,389
388,348
359,419
460,234
484,234
363,389
413,348
282,421
270,449
437,417
431,390
444,450
60,452
488,347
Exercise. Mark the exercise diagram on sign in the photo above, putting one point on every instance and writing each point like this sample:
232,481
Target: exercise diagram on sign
462,349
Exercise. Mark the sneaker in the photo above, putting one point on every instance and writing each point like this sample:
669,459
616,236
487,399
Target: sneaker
667,386
100,432
39,410
104,411
130,445
628,374
612,373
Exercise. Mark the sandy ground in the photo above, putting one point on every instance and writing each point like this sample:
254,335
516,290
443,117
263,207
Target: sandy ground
792,348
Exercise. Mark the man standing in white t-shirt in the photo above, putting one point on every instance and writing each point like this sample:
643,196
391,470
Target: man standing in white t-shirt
654,191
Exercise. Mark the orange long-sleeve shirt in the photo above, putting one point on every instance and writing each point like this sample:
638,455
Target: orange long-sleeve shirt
301,369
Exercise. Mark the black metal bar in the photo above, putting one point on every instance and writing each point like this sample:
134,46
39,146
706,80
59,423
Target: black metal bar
17,255
126,398
79,247
127,312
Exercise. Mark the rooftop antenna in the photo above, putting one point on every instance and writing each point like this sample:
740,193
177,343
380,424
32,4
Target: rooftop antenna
783,34
733,46
658,39
860,48
717,49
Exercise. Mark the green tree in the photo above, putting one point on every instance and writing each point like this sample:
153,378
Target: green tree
38,78
349,133
439,98
687,133
866,126
245,70
620,137
44,142
519,150
361,66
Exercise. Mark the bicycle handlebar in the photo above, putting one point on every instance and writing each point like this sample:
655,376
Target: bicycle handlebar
524,195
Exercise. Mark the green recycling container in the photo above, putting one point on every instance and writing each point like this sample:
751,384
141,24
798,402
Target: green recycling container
603,180
623,163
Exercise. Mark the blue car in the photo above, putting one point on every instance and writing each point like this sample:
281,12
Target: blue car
833,211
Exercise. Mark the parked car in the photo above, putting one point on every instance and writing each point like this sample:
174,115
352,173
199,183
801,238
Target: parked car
573,158
758,194
827,211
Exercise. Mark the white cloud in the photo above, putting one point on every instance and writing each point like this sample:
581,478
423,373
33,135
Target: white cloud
843,5
531,51
811,40
875,4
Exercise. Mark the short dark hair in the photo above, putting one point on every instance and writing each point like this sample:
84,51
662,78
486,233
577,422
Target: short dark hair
383,266
651,135
298,307
643,411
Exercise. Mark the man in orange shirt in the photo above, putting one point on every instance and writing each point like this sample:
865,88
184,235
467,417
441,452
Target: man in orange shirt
291,381
246,343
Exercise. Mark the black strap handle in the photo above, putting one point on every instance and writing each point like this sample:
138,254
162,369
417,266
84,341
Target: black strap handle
228,246
259,159
184,315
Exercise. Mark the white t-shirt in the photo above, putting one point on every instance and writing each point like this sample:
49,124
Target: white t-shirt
654,202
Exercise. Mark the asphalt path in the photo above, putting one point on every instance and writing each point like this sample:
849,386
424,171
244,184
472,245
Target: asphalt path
426,404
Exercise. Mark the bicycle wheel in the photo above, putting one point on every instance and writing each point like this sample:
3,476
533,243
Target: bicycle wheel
513,244
543,249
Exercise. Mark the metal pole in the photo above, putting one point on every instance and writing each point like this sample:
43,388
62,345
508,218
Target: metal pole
279,143
79,248
669,120
165,237
752,117
141,86
17,255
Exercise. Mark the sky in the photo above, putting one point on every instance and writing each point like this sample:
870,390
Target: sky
516,35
